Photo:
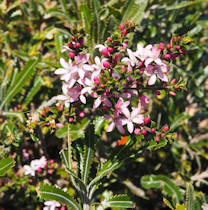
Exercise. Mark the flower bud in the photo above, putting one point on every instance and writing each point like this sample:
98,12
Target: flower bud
106,64
161,45
71,119
125,32
105,52
105,79
73,38
71,55
15,108
81,114
162,135
157,138
59,125
78,44
70,44
144,131
177,87
168,47
102,85
165,128
178,47
146,120
39,170
97,80
126,24
51,161
173,81
109,39
104,108
110,49
175,39
157,92
167,56
123,67
121,27
172,93
136,131
50,171
179,38
141,63
153,130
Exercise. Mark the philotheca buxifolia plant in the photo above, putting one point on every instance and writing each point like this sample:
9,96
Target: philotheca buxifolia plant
114,84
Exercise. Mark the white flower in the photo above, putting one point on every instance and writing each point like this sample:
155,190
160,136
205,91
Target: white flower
51,205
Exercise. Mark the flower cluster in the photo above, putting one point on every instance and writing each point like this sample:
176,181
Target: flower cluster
38,165
117,78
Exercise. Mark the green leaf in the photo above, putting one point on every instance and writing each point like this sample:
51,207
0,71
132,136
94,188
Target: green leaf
189,196
76,131
185,4
180,207
164,183
49,192
6,164
121,155
95,23
33,90
85,17
99,123
78,180
134,10
59,44
167,203
153,145
17,114
176,122
122,201
88,153
20,81
56,12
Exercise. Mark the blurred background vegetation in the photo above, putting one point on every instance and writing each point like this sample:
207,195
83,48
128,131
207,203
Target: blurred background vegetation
32,33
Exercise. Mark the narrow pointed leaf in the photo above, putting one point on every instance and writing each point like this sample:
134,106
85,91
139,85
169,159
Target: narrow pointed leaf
134,10
122,201
6,164
189,196
17,114
99,123
33,90
164,183
185,4
167,203
20,81
56,12
49,192
88,153
77,179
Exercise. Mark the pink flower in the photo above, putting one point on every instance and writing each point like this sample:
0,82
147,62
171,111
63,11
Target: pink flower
80,65
121,106
156,71
153,56
134,117
132,59
41,162
66,70
142,53
102,99
143,100
69,96
116,122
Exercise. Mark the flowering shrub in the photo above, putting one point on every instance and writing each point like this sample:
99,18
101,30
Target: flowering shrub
115,84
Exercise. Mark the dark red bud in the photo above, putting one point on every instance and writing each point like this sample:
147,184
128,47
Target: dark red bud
109,39
179,38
